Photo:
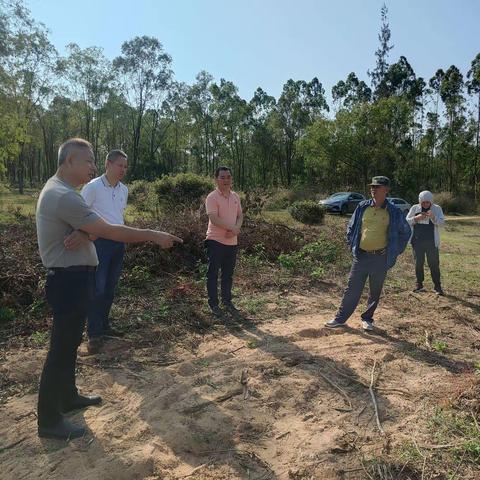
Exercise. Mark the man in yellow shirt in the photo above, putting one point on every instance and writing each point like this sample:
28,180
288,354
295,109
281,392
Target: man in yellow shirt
377,233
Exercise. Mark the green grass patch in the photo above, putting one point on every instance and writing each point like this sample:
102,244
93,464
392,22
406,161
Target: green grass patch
251,305
13,204
440,346
314,258
460,429
39,339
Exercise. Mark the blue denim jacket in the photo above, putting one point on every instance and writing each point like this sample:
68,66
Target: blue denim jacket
398,230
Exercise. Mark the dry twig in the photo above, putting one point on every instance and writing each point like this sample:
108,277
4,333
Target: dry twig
334,385
220,399
11,445
195,470
244,382
237,349
374,401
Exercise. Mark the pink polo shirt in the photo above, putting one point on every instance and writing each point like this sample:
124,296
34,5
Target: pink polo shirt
227,208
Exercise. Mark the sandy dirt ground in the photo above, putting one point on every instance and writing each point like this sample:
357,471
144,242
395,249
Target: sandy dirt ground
280,399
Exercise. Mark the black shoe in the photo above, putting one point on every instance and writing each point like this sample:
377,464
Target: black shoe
82,401
230,308
63,430
439,292
419,288
216,310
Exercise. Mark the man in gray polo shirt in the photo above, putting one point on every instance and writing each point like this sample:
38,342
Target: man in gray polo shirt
71,280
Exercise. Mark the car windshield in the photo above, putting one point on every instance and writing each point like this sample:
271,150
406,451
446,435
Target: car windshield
337,196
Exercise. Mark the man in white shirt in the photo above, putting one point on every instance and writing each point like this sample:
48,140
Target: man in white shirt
107,196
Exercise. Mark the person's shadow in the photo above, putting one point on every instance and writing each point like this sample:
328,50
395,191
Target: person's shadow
185,418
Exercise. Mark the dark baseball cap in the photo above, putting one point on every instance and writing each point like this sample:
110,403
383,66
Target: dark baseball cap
380,181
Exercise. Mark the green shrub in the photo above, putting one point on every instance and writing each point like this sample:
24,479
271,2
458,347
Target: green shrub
280,199
454,204
141,194
308,211
39,338
313,258
182,190
253,202
6,315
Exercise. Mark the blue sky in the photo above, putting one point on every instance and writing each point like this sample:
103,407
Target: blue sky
265,42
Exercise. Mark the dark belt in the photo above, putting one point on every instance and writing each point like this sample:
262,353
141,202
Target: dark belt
73,268
382,251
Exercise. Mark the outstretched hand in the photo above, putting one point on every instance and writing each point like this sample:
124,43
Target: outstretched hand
166,240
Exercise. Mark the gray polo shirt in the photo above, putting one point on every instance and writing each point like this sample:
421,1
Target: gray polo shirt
60,210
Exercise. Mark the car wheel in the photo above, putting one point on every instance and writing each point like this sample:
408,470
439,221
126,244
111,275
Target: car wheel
344,209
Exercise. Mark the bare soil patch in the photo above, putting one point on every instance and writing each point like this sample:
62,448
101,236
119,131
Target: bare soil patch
304,409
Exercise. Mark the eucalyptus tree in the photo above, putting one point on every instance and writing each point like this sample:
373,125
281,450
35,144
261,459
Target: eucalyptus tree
143,71
433,120
27,61
351,92
473,87
232,114
89,77
300,103
203,145
263,143
451,93
378,74
116,129
176,119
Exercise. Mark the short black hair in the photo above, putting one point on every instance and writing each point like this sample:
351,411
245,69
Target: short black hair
114,154
220,169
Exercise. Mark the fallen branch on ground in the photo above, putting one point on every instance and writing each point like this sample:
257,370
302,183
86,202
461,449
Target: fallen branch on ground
334,385
195,470
220,399
11,445
244,382
374,401
237,349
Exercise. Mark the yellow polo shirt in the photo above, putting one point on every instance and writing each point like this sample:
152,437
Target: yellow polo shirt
374,229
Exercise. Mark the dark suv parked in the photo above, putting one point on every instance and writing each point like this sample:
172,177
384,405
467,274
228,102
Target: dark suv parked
342,202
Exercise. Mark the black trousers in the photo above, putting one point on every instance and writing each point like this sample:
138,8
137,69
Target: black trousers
68,294
429,250
220,257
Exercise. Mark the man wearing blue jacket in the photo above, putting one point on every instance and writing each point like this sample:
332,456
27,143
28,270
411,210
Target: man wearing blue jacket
377,233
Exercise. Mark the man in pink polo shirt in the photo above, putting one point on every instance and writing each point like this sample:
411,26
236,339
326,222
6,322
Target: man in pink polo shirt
225,220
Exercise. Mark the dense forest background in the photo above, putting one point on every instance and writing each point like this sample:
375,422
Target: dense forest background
424,133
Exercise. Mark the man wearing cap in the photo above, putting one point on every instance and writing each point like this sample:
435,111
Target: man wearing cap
426,218
70,281
377,233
